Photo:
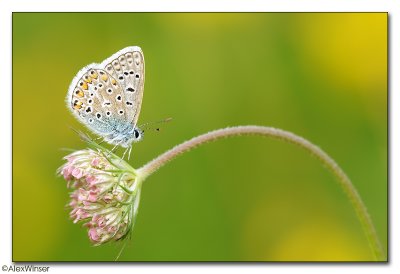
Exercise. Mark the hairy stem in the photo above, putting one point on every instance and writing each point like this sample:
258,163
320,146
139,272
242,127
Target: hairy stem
326,160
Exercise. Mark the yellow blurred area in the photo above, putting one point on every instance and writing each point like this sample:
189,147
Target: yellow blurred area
207,21
325,240
351,49
39,224
290,227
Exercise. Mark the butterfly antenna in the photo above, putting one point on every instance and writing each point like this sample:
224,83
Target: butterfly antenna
149,124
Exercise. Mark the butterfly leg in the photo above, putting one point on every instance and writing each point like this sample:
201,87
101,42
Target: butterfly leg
102,141
98,138
111,151
129,154
123,155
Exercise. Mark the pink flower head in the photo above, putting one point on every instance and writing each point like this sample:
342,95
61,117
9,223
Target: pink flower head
100,198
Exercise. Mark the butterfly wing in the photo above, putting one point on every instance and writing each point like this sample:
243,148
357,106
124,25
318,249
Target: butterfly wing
127,66
107,97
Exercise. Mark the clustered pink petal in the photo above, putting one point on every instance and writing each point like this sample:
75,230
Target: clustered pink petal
67,172
97,198
77,173
91,180
93,236
95,162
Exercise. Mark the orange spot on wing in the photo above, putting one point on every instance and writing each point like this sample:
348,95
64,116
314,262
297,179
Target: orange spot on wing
85,86
79,93
88,79
77,105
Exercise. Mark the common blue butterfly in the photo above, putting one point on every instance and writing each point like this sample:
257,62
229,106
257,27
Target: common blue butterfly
107,97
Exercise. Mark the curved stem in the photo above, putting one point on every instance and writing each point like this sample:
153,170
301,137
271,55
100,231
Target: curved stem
326,160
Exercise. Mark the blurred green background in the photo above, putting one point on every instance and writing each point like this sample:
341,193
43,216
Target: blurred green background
322,76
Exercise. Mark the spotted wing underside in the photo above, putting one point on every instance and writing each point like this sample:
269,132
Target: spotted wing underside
108,96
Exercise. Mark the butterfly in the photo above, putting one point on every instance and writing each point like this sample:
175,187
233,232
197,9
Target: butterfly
107,97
